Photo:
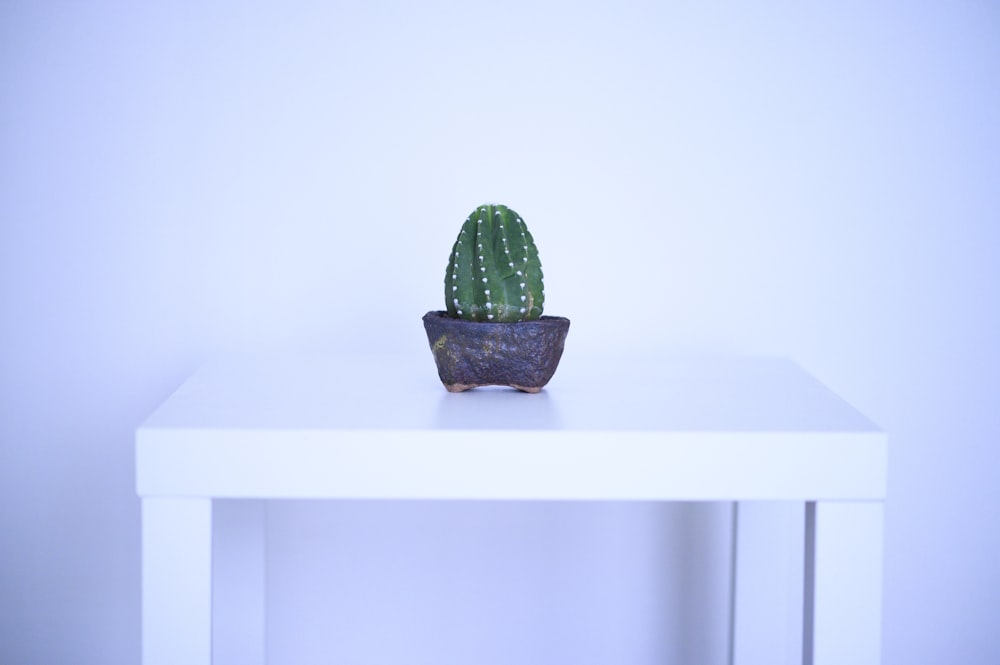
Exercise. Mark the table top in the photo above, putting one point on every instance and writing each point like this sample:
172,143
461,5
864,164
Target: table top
667,427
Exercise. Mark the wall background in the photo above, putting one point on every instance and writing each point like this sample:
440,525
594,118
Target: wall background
182,178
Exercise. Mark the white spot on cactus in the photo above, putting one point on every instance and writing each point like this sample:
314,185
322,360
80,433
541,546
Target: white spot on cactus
496,212
523,310
489,305
460,312
510,263
519,273
487,292
523,298
526,248
484,280
480,246
489,316
526,259
482,269
480,257
455,301
522,285
454,288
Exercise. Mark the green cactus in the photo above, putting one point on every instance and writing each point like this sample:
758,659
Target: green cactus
493,272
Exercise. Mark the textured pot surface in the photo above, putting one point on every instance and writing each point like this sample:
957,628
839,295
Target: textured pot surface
522,355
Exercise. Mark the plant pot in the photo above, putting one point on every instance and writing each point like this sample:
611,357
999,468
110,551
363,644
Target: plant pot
522,355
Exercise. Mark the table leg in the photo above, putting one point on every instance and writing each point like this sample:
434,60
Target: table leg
176,581
843,583
767,583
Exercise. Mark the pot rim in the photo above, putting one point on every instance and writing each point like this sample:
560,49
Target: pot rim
545,318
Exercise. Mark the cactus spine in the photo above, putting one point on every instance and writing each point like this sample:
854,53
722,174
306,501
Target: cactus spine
493,272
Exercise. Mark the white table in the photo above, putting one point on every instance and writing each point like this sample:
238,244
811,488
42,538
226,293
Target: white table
748,430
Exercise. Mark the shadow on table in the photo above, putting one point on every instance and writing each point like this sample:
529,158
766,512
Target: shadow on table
497,408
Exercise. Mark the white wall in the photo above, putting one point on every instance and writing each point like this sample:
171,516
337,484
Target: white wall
180,178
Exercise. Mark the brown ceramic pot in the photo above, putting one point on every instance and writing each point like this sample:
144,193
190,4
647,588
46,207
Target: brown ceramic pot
522,355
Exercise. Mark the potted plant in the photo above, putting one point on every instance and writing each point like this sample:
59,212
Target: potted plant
492,331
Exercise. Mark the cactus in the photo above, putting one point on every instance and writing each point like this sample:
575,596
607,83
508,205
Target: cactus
494,274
